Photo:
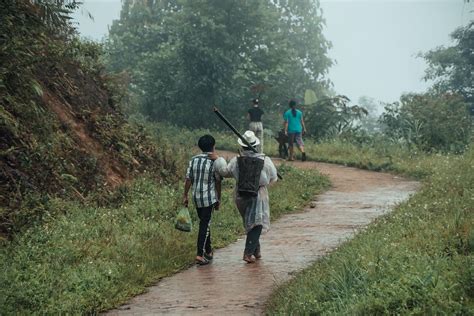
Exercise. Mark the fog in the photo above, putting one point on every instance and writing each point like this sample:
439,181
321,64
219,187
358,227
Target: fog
375,43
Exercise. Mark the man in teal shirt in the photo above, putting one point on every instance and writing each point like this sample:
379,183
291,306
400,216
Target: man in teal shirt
295,128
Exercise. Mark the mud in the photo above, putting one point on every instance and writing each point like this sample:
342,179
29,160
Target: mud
231,286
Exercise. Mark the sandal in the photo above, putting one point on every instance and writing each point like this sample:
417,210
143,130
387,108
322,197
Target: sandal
202,261
258,254
249,258
209,256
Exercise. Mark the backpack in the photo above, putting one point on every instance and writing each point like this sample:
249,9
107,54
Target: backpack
249,175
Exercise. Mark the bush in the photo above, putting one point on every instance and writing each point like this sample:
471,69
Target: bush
429,122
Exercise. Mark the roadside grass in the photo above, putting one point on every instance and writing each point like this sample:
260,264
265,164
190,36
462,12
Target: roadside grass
85,259
378,155
416,260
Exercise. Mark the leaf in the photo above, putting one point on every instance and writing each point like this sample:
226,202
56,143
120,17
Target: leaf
310,97
37,87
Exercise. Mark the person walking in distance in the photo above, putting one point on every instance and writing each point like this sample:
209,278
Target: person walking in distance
204,178
254,114
294,128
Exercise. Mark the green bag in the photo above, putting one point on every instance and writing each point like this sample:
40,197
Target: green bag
183,220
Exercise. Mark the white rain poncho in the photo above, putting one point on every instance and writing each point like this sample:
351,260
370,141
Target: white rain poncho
254,210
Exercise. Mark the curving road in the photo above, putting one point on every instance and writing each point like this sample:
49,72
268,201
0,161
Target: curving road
231,286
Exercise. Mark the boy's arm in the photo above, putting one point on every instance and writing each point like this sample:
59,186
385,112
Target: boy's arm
187,186
188,183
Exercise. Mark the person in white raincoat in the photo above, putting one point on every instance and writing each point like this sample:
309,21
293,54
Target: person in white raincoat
255,211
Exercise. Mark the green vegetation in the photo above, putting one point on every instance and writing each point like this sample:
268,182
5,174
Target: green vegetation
62,133
452,67
418,259
429,122
376,155
182,57
88,196
85,259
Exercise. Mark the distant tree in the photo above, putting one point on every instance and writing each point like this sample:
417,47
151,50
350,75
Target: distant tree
452,68
184,56
429,122
370,121
333,116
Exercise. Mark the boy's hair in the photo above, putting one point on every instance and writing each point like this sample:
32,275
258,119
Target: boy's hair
206,143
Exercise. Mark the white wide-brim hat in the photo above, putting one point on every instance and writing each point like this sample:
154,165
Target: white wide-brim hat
250,137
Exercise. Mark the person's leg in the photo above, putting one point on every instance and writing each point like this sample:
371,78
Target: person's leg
203,240
207,244
257,253
251,243
256,127
260,137
299,142
291,140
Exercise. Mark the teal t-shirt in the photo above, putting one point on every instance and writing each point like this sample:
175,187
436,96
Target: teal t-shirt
294,122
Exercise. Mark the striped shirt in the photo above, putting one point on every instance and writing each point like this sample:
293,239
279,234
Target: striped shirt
203,175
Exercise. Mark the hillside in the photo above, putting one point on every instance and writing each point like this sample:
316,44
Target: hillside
61,129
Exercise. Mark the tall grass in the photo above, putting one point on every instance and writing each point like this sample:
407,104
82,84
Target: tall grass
376,155
417,260
85,259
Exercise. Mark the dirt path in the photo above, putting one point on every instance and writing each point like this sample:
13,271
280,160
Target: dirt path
231,286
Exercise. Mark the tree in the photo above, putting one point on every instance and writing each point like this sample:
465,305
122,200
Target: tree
452,68
429,121
331,117
369,122
185,56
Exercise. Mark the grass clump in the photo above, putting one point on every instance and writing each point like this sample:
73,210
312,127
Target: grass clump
416,260
85,259
378,155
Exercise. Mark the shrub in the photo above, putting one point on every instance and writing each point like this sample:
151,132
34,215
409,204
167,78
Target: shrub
429,122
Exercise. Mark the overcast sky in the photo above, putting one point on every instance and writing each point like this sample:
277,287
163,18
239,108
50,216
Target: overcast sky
375,42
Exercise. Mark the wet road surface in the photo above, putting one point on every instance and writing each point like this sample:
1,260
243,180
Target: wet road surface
232,287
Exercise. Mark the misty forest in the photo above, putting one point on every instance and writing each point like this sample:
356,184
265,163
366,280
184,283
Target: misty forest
101,144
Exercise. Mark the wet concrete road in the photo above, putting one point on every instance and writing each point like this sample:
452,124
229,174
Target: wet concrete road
232,287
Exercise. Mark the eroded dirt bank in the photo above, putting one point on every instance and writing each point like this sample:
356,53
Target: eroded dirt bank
230,286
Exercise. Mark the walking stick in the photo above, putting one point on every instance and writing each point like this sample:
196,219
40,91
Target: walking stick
236,132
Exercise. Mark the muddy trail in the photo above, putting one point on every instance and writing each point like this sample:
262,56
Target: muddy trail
231,286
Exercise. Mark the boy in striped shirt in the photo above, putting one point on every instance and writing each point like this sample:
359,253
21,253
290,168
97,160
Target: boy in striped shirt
203,175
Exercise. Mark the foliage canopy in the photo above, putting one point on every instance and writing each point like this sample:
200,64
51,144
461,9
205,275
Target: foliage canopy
185,56
452,67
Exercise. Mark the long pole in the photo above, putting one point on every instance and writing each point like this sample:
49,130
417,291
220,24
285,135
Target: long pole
236,132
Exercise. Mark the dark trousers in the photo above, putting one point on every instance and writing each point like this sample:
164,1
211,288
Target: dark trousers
252,244
204,235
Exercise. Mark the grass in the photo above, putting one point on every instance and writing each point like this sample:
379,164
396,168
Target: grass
377,155
416,260
85,259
